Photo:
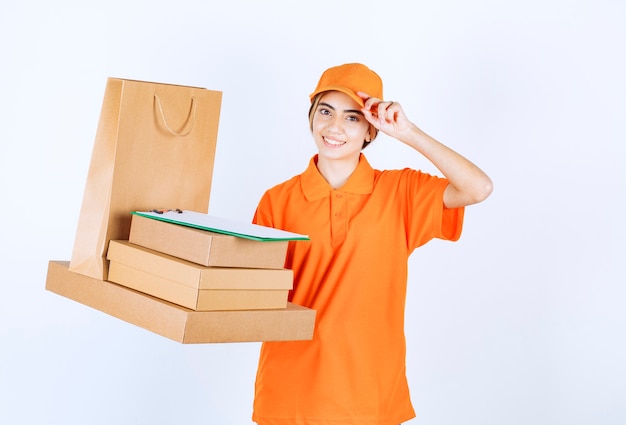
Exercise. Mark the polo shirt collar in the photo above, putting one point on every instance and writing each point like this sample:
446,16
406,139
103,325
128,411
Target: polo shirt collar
315,187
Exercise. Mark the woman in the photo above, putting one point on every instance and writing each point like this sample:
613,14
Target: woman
363,225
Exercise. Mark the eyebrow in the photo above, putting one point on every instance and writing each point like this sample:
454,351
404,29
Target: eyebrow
353,111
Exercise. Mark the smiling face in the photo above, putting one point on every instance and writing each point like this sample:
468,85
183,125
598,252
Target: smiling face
339,127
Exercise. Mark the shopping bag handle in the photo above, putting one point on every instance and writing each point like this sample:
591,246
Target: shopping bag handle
192,118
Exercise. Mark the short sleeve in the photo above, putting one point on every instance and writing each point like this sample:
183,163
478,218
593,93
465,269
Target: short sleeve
426,216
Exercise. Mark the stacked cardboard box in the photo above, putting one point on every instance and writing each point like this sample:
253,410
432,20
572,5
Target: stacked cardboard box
199,269
192,285
294,323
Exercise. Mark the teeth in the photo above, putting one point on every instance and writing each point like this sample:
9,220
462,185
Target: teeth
333,142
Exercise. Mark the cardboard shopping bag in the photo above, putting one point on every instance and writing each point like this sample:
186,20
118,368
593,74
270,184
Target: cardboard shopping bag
154,148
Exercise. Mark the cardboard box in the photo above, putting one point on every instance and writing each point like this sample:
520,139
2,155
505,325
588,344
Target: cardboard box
206,248
293,323
197,287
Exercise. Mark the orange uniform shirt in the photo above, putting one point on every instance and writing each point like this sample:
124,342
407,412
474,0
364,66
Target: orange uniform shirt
353,272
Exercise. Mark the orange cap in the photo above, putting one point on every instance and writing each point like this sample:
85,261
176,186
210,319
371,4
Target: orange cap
350,78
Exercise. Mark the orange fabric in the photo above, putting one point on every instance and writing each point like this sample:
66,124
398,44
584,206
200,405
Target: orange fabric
353,271
350,78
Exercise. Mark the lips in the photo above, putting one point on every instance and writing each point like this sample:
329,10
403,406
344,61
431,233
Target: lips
333,142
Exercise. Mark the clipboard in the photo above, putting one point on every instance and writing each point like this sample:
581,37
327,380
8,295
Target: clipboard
222,225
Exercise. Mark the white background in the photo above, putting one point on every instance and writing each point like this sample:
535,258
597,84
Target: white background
523,321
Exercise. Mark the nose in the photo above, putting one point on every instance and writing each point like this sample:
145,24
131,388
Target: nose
335,124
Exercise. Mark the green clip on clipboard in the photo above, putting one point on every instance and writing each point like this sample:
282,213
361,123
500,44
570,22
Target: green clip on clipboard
223,226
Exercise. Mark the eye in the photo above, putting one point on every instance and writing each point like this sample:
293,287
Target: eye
324,111
353,118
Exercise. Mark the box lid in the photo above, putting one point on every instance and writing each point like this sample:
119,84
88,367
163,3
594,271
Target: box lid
294,323
204,247
195,275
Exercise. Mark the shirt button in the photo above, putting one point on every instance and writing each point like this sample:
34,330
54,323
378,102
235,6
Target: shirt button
337,214
339,195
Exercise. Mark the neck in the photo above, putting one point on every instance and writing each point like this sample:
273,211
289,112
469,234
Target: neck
337,172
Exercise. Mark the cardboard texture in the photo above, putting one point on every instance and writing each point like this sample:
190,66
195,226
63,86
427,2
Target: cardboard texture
204,247
197,287
154,148
293,323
